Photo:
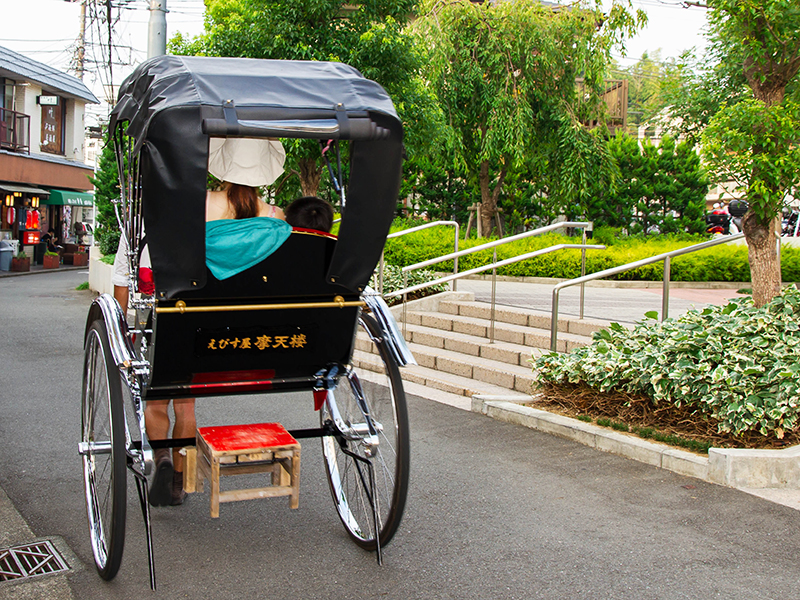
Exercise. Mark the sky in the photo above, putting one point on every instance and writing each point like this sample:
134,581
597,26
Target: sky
47,31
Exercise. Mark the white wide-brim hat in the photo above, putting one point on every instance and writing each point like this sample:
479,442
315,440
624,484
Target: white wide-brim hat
246,161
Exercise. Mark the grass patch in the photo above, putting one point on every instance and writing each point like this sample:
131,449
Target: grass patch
646,432
83,286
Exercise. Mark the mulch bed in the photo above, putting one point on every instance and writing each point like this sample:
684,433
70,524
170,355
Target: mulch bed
573,400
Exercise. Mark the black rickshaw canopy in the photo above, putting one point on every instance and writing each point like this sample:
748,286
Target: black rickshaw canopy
170,106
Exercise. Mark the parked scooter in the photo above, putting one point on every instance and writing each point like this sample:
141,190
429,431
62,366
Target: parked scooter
718,221
791,222
737,209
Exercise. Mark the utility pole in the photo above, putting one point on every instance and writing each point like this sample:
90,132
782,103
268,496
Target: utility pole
81,53
157,29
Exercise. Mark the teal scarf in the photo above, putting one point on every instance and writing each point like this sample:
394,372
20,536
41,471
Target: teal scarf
234,245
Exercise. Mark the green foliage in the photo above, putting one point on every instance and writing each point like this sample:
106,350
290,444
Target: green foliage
107,258
660,189
106,189
368,35
505,76
645,77
720,263
736,363
82,287
393,281
758,147
108,242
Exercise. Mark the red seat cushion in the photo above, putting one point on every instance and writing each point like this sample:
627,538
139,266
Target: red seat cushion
255,436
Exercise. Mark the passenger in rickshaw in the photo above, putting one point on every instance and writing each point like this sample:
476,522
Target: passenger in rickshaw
310,212
241,230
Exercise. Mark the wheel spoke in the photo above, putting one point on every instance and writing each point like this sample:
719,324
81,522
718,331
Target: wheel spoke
103,452
353,492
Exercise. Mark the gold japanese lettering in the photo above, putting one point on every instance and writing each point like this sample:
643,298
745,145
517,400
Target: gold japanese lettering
263,342
280,341
298,340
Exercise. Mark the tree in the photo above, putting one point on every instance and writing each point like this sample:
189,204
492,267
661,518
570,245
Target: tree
753,139
661,188
367,35
645,78
505,75
106,189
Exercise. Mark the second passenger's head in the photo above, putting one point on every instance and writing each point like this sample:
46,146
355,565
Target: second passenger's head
310,212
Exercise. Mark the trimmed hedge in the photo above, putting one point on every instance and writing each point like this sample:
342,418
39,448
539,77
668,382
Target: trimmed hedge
726,262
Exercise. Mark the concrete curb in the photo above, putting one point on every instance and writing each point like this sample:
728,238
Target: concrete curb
732,467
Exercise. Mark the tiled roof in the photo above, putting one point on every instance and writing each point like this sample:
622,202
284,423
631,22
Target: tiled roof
18,66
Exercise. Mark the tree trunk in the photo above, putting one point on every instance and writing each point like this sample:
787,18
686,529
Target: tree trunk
765,265
310,175
489,197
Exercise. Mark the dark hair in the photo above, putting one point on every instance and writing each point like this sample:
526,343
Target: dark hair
310,212
244,201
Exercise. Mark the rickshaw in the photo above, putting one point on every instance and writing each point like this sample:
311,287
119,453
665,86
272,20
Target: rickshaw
167,110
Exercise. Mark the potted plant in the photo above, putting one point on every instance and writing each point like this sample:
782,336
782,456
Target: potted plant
80,258
21,262
51,260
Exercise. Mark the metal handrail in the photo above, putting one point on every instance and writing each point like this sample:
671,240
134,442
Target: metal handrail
583,225
494,265
414,230
666,257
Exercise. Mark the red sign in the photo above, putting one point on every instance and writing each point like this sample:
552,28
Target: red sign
30,237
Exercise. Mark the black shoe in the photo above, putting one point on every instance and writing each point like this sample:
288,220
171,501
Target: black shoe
178,495
161,488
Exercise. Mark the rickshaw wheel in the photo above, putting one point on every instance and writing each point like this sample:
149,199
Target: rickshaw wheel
103,451
347,475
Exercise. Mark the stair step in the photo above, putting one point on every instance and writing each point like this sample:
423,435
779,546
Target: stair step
417,389
430,378
522,316
508,376
506,352
523,335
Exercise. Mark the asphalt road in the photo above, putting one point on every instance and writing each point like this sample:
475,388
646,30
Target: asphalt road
495,511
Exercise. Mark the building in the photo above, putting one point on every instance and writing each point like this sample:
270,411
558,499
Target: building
44,180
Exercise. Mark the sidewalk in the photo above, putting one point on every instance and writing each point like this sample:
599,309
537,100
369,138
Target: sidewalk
621,304
37,269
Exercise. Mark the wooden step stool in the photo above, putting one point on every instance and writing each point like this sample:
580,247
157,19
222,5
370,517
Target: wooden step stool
241,449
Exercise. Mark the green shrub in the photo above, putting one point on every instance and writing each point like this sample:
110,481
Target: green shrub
726,262
736,363
393,281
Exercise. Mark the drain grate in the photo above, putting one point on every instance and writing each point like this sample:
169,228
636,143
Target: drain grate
30,560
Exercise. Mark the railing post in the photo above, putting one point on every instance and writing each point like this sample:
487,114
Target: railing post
380,276
494,289
665,291
405,304
455,260
583,270
554,321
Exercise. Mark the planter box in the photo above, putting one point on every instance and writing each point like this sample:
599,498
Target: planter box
51,261
21,264
80,259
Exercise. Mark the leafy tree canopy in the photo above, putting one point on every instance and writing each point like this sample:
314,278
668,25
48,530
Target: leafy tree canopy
505,74
368,35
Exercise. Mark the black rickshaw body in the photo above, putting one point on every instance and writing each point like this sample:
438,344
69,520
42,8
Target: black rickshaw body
274,326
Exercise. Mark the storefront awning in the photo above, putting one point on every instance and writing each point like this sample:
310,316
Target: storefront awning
25,189
61,197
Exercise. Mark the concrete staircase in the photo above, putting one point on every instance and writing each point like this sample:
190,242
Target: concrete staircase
449,337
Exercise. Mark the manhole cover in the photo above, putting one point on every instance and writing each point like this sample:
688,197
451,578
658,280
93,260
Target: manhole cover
30,560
